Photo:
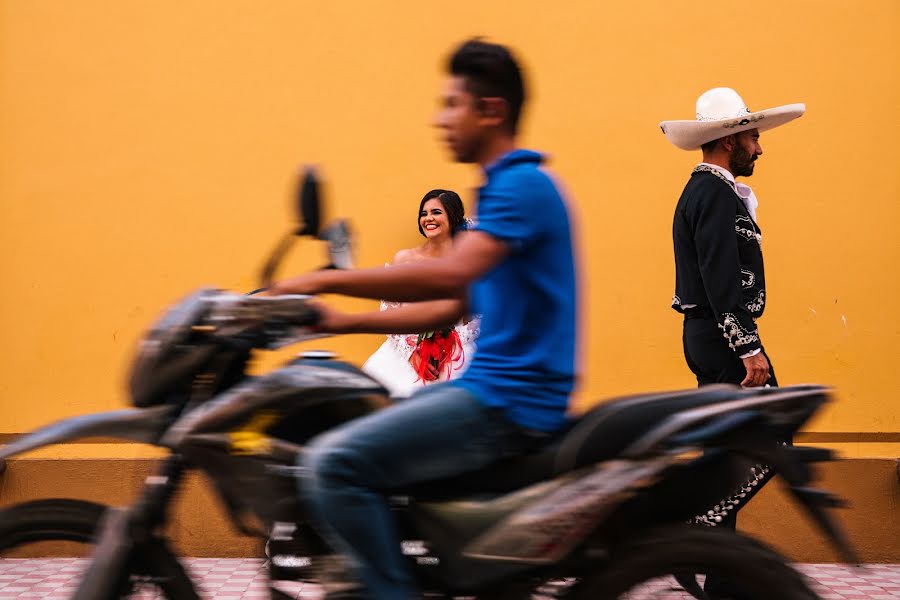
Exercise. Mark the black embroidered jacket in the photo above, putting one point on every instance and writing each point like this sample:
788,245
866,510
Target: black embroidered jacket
718,258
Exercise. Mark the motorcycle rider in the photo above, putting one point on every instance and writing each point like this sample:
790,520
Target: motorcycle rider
515,268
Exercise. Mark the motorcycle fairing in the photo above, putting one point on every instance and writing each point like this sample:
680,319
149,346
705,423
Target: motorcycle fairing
143,425
307,396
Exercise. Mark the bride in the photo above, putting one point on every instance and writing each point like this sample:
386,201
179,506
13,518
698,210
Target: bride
405,363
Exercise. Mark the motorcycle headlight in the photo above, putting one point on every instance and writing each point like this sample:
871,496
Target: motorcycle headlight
164,364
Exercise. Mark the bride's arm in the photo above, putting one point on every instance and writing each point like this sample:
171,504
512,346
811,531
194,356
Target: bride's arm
417,316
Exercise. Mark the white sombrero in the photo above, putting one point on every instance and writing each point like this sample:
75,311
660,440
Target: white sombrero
721,112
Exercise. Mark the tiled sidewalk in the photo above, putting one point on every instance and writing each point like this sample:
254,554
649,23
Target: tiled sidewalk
232,578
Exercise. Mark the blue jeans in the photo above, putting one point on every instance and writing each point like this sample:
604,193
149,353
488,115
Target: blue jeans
440,432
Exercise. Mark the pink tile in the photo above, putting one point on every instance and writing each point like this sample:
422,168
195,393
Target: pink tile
226,579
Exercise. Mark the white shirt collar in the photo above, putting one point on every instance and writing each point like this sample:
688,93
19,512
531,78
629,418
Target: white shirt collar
721,170
743,190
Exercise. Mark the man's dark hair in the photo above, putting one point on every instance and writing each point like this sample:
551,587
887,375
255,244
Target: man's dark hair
709,146
491,71
453,206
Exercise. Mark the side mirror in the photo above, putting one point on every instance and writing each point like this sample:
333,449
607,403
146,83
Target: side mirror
308,212
308,203
340,245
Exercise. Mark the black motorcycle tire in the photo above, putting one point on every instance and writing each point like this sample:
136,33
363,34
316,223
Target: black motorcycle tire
67,519
759,570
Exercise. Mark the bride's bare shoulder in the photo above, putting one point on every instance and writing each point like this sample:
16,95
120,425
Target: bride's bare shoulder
406,255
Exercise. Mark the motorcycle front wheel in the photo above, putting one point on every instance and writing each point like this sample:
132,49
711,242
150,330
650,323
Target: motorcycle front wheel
35,529
742,568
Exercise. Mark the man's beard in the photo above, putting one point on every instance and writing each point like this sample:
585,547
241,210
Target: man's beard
740,163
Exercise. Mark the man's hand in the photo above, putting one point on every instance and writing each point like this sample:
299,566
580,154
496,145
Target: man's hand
757,370
332,320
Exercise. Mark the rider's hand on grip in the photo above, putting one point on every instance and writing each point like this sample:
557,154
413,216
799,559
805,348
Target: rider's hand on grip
331,320
268,321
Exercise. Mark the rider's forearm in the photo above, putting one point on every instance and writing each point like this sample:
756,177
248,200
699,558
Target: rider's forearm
409,318
410,282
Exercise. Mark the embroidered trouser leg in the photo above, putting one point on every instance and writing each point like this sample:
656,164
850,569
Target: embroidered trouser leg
712,361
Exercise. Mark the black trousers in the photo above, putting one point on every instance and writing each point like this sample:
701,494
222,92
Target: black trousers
708,355
712,361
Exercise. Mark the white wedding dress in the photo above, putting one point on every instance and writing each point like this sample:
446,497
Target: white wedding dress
389,365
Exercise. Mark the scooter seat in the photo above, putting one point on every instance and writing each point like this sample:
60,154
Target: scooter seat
600,434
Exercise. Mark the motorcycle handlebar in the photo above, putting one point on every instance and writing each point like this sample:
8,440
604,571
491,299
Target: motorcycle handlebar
270,320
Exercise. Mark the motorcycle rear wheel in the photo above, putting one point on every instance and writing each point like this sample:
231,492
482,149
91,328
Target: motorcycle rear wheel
642,568
154,568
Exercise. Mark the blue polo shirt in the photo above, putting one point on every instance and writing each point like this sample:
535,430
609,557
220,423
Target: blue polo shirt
525,357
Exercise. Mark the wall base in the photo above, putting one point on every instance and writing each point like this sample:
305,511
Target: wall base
200,527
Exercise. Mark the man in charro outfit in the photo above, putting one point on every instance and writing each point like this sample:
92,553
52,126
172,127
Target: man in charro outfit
720,283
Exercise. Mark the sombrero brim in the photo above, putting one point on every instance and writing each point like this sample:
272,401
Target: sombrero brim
690,135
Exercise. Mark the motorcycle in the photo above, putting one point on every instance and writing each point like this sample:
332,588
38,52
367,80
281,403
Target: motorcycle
599,511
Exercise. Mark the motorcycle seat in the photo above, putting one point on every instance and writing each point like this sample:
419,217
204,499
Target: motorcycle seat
600,434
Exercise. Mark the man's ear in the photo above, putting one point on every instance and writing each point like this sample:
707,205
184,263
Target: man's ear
729,142
494,109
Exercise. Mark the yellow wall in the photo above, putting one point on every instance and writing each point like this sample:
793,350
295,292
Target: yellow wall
147,148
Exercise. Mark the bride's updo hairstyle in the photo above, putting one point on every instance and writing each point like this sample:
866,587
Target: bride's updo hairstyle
453,206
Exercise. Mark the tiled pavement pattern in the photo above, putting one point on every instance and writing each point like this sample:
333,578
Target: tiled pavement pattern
233,578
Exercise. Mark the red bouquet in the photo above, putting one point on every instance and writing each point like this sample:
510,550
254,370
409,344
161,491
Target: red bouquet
436,352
